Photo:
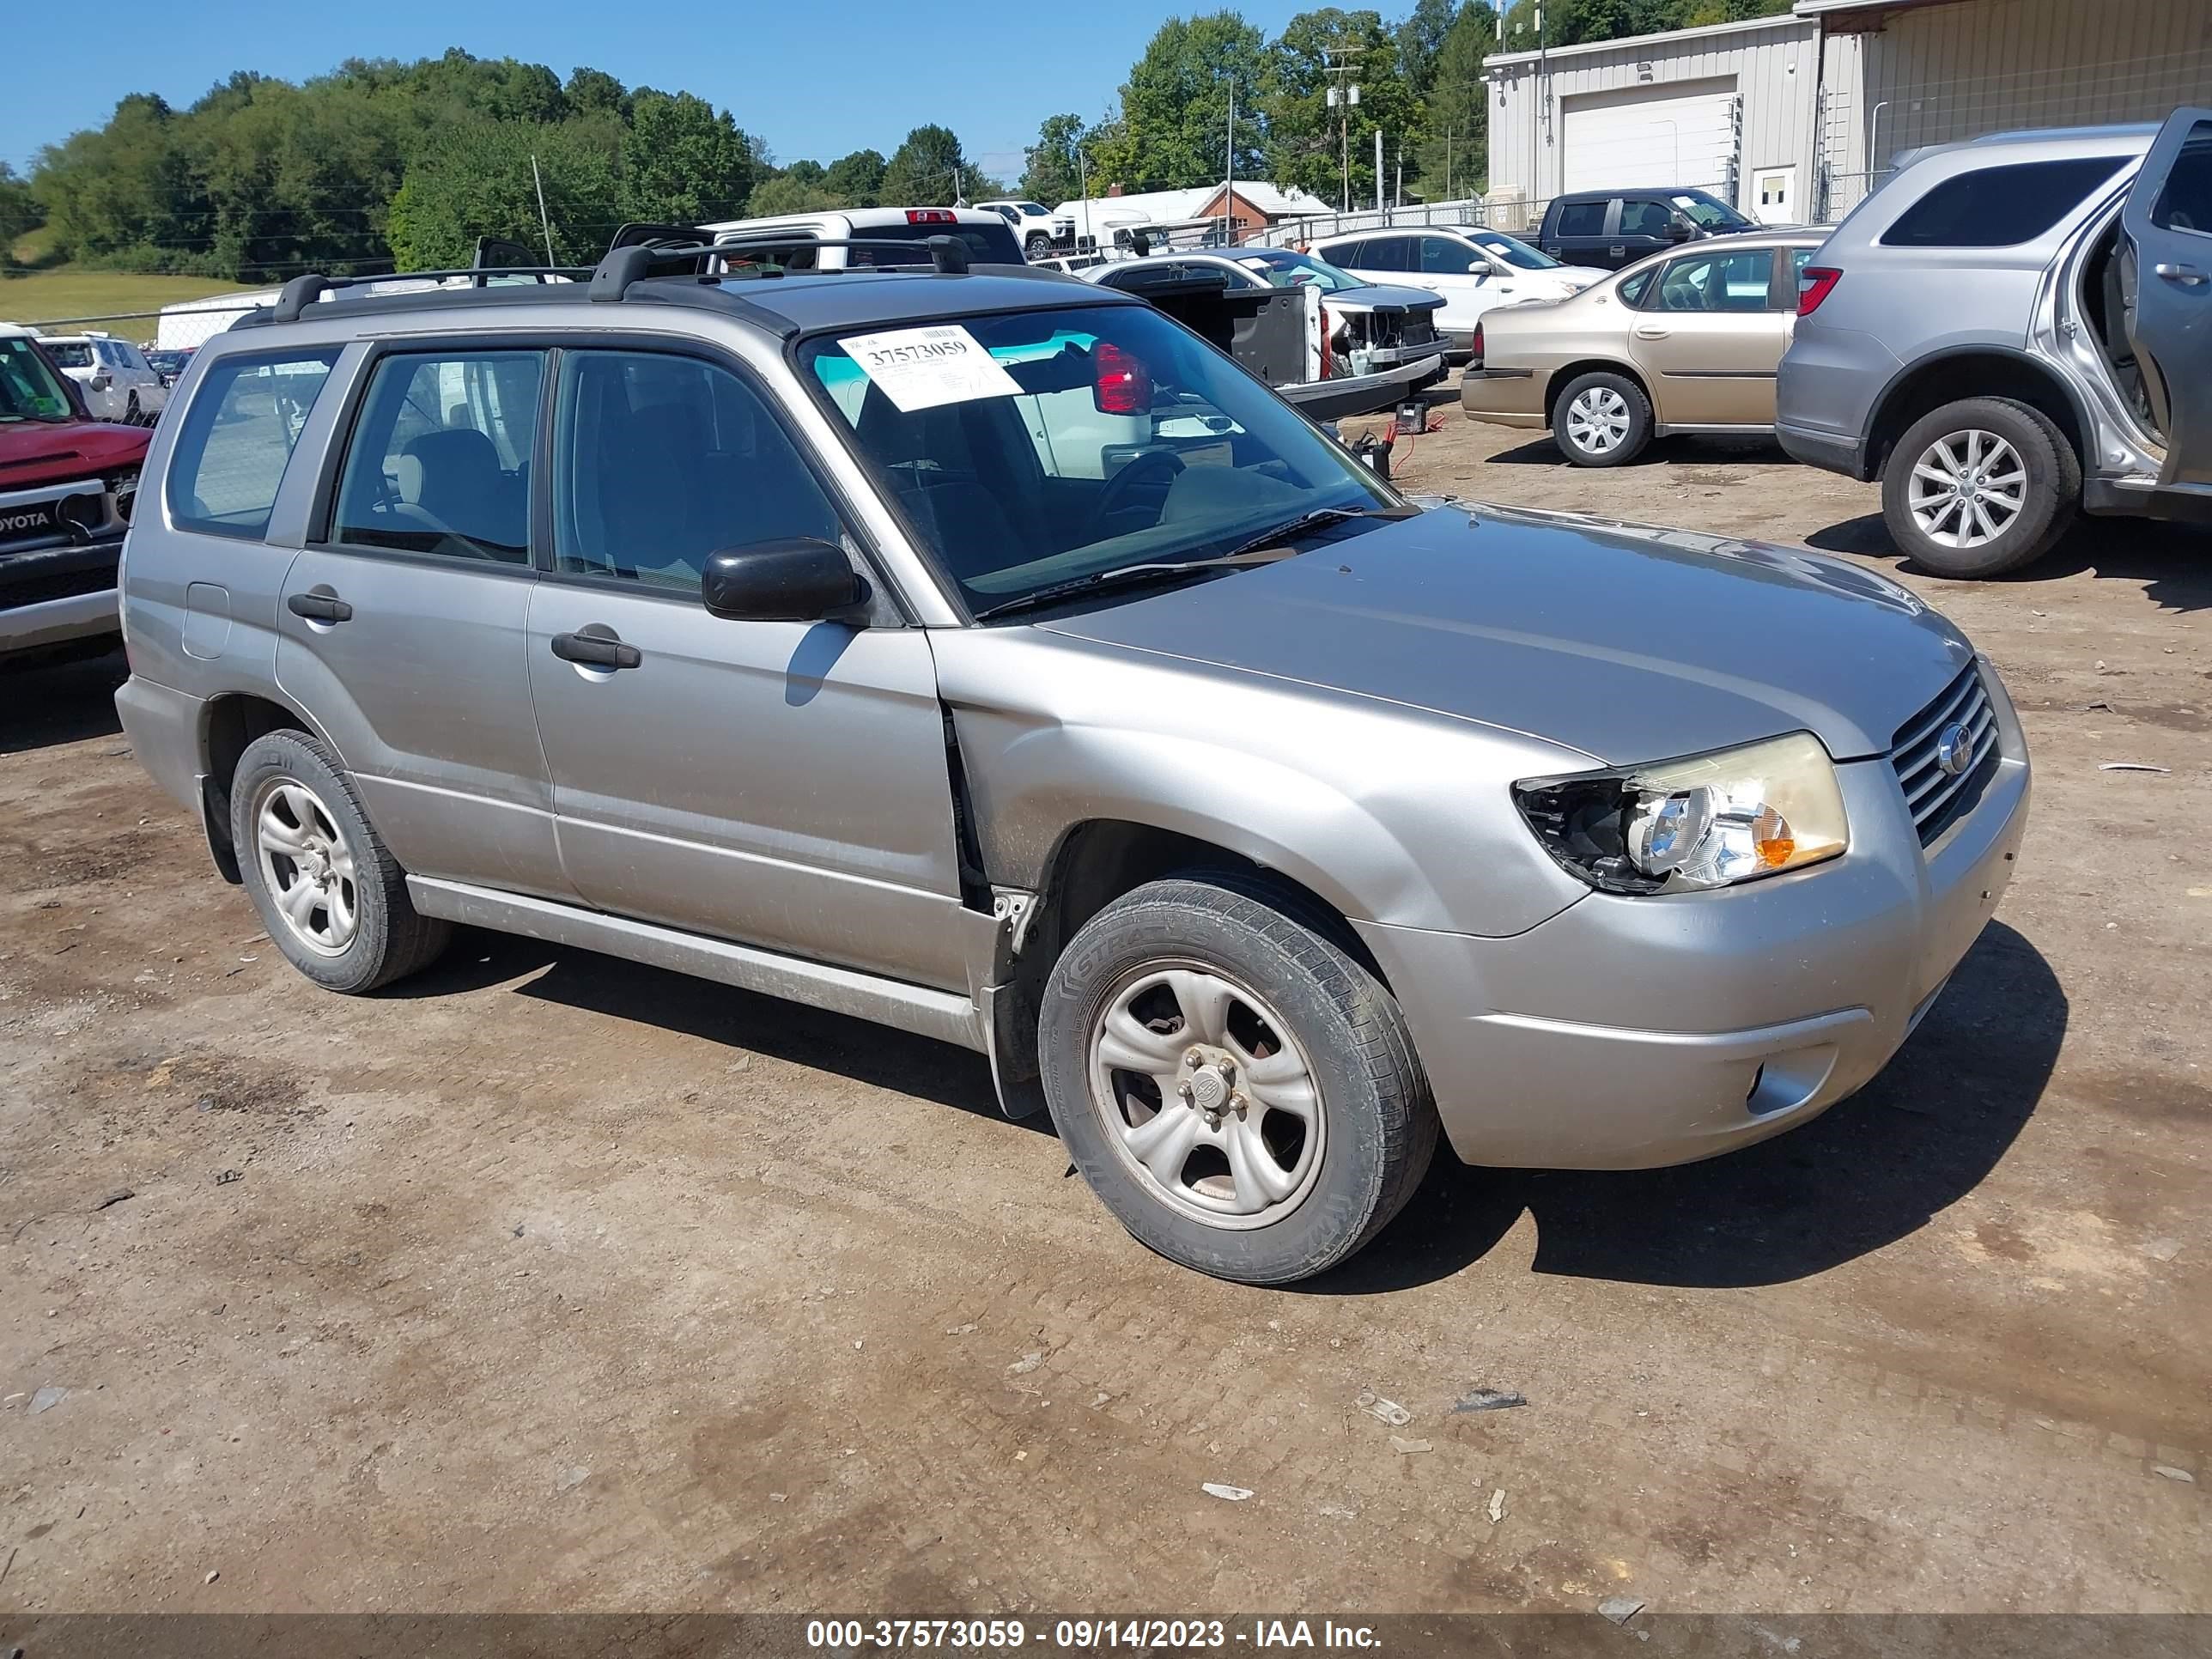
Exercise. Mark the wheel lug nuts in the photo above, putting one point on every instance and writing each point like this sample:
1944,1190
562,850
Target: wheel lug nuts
1191,1056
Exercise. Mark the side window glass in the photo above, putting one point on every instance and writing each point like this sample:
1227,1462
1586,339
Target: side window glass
1441,256
1582,219
661,461
440,461
1349,255
1716,282
1394,253
1637,288
237,438
1642,216
1999,207
2185,200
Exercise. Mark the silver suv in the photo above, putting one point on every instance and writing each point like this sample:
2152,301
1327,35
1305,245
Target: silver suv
2010,327
982,654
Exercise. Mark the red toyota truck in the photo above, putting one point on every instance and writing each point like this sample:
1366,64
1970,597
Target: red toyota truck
66,487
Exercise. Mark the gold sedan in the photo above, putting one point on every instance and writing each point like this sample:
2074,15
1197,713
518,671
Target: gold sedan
1683,341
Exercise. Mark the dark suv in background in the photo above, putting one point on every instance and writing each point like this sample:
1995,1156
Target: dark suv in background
1617,227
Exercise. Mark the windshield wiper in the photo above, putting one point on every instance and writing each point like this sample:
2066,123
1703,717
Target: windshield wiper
1317,520
1260,549
1129,575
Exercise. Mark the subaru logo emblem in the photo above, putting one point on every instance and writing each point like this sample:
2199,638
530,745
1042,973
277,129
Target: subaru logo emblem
1954,750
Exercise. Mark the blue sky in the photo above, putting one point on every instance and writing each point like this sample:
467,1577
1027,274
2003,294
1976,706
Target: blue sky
814,77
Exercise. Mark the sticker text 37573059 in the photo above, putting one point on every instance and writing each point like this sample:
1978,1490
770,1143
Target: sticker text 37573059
923,368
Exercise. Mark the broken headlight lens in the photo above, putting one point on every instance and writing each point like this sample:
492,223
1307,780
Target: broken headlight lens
1702,822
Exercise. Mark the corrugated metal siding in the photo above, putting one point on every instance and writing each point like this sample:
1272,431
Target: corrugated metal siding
1943,72
1774,67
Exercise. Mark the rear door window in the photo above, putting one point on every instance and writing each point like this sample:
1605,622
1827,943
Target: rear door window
238,438
1718,280
1392,253
2184,199
1999,207
440,461
1582,219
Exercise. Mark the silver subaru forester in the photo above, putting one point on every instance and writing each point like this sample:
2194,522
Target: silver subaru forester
980,653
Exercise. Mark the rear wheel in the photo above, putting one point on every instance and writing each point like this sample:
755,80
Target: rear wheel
1235,1086
1601,420
131,412
1979,488
328,889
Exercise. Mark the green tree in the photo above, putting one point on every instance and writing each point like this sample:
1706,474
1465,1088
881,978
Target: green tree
476,181
1307,139
928,170
1174,109
683,161
1455,156
595,92
19,212
1420,38
1052,175
857,179
792,191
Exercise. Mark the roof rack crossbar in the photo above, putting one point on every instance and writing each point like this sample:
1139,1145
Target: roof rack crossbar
948,254
304,290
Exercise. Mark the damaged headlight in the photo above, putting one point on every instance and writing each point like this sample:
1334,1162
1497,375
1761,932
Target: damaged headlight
1702,822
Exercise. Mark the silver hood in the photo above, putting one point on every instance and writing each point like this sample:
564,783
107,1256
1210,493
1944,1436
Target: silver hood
1626,642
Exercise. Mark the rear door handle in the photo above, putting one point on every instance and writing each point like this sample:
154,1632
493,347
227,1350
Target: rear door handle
601,650
319,607
2187,276
1645,332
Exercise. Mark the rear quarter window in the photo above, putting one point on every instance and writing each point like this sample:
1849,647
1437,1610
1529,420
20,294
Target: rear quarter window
1999,207
237,440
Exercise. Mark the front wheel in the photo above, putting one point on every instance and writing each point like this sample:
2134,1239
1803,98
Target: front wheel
131,411
1038,245
1977,488
1601,420
1236,1088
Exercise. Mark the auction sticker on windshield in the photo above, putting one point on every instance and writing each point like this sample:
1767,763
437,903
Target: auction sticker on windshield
925,368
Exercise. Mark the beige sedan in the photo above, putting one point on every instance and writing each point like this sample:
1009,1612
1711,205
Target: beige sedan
1683,341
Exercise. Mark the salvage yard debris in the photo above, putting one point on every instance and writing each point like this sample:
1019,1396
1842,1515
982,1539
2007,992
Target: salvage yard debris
1489,1399
1383,1411
1232,1494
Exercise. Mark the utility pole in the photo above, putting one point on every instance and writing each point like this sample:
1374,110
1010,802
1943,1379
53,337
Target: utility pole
1543,94
1449,197
1381,200
1083,183
544,223
1343,95
1228,174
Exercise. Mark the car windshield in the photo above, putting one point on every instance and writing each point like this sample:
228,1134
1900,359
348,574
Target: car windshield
1035,448
1710,211
1282,268
30,389
1513,250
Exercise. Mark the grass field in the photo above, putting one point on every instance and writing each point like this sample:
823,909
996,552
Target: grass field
50,295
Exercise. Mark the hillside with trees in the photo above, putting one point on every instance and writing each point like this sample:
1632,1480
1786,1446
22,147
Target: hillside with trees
380,163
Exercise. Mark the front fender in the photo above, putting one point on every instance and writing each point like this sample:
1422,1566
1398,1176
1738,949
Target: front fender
1389,814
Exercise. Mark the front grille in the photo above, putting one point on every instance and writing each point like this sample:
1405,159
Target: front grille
1418,330
53,585
1937,797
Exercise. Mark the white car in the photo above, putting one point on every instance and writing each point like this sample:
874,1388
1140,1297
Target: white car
118,382
784,239
1032,223
1472,270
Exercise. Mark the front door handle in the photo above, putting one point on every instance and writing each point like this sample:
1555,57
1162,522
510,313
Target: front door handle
324,607
1646,331
599,650
2187,276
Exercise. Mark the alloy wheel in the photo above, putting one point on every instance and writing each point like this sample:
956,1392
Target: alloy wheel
308,866
1968,488
1207,1096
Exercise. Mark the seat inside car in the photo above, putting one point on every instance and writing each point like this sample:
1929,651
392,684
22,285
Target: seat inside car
453,476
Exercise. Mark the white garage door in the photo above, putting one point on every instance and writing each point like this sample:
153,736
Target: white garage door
1615,143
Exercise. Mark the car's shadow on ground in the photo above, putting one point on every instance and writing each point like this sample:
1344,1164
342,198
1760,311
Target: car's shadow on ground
50,703
1871,1171
856,1048
2167,558
1684,451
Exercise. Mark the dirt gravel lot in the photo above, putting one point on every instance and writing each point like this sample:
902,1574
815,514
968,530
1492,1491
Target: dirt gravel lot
551,1282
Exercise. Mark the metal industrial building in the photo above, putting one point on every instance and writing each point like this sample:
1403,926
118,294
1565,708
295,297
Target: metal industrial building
1794,118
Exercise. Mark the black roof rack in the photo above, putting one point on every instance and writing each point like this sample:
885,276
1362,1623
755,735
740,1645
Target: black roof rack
303,291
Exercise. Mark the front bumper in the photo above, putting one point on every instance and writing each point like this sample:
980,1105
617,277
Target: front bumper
1362,394
58,589
1631,1033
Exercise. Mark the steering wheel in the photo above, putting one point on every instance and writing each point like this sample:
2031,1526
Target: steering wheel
1155,469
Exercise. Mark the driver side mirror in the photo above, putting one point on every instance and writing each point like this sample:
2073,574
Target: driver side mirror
1679,230
798,579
